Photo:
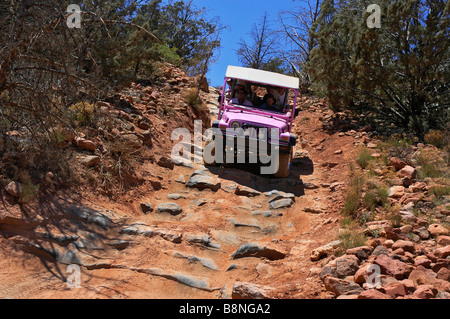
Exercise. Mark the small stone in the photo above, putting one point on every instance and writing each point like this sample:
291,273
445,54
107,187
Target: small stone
380,250
171,208
406,245
14,189
346,265
258,250
146,207
165,162
396,191
443,274
246,191
443,240
442,252
373,294
246,290
324,250
407,171
362,252
201,179
397,163
90,161
281,203
395,289
341,286
422,261
425,292
84,144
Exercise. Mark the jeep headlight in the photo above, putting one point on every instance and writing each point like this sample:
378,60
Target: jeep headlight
235,125
273,131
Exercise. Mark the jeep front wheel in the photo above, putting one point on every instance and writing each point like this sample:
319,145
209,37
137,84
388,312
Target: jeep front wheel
284,164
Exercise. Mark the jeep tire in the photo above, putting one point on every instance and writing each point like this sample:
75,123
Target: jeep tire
284,164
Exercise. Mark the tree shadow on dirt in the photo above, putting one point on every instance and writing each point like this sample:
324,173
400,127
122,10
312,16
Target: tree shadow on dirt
249,175
56,230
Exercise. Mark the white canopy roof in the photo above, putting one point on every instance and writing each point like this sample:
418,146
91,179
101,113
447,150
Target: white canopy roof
260,76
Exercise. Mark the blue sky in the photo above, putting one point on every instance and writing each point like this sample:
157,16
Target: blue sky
239,16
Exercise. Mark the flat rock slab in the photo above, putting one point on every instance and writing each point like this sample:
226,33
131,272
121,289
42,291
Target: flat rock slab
246,191
89,215
258,250
171,208
202,179
281,203
274,195
247,290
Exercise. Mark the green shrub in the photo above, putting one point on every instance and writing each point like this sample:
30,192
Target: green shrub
439,191
364,157
192,97
82,113
352,199
29,192
375,197
434,137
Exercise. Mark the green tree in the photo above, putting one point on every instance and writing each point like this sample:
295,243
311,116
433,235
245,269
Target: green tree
192,35
399,70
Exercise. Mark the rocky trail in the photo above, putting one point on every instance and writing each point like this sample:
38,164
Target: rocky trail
210,232
191,230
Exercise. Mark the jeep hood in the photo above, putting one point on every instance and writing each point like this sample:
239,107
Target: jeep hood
243,116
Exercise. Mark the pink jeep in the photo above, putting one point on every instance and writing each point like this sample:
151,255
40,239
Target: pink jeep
254,107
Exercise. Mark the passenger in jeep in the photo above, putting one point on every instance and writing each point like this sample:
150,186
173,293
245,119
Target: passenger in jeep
269,103
278,95
241,98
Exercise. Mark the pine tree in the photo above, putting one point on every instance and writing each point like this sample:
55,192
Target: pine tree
399,70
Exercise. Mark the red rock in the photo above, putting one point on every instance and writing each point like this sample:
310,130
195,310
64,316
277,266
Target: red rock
406,245
147,90
84,144
443,274
437,230
396,163
420,276
442,252
362,252
423,261
396,191
246,290
443,240
362,274
409,285
14,189
407,171
411,198
392,267
346,265
394,290
425,292
373,294
417,187
341,286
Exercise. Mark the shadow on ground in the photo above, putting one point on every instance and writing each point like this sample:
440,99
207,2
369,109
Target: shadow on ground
250,175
